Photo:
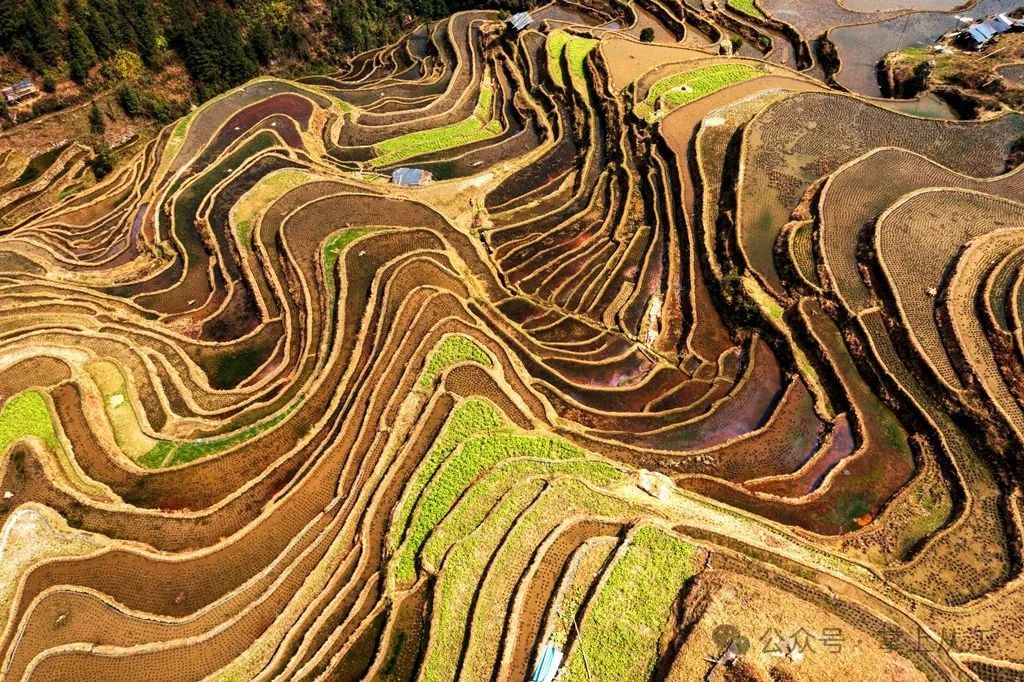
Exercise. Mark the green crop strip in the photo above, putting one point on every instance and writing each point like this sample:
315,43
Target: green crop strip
474,461
575,49
169,453
480,126
333,247
556,48
476,455
453,349
620,630
470,417
682,88
484,102
27,414
154,459
746,7
263,194
485,493
177,137
562,498
509,534
768,305
462,572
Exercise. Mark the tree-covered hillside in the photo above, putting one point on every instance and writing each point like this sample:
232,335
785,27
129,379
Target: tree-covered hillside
220,44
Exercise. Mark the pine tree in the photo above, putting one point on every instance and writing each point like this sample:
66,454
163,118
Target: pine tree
96,123
102,161
262,43
99,34
129,99
41,34
116,21
236,63
11,22
81,55
146,34
216,54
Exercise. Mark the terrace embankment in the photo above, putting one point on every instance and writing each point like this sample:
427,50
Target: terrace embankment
661,339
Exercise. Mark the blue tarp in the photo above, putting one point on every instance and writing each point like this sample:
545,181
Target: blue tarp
547,666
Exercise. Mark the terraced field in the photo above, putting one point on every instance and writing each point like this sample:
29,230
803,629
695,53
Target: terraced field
678,357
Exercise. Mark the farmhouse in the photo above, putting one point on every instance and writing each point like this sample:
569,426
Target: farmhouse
411,177
19,91
979,34
520,20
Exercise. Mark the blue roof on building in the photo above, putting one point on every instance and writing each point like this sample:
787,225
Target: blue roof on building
1004,22
407,176
520,20
977,34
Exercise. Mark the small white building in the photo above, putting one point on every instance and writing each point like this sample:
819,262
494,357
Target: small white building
19,91
520,20
978,34
411,177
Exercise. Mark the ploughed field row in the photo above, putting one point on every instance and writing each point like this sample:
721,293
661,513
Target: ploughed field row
666,333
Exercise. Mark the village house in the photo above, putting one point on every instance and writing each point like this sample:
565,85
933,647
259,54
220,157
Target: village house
21,90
